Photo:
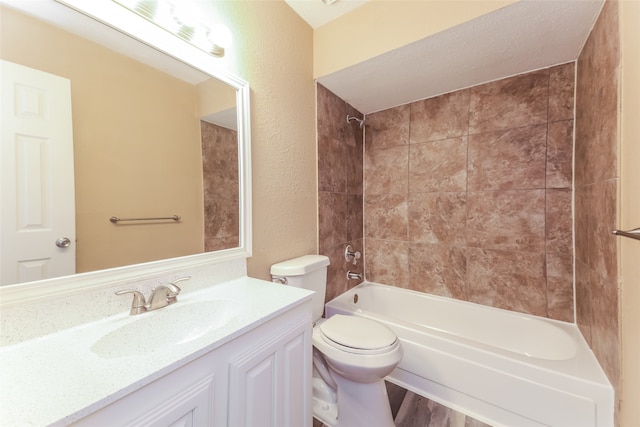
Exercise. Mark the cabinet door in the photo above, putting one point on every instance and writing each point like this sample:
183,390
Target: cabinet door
269,383
190,407
161,404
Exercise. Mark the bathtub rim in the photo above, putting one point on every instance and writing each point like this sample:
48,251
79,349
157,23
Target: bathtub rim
581,378
580,366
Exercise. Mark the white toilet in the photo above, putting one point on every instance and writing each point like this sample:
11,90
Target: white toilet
351,355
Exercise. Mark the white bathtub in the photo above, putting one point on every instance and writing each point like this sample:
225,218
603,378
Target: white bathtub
500,367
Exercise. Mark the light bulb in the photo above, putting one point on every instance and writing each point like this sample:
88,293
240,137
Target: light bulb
220,35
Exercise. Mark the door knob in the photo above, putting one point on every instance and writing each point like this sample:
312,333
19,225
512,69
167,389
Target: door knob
63,242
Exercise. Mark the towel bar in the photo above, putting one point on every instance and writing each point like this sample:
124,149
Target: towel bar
115,219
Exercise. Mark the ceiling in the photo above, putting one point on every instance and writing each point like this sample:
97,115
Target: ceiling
318,13
525,36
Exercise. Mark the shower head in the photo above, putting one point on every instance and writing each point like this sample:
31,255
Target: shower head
352,118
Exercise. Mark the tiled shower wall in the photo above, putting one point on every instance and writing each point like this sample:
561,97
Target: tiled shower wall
438,197
220,186
596,184
339,189
340,179
468,194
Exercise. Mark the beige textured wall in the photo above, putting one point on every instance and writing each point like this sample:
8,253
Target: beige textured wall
113,99
376,25
273,50
630,211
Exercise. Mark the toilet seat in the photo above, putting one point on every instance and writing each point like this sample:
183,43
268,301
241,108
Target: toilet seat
357,335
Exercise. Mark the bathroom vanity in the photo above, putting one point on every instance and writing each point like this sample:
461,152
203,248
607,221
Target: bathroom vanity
236,353
232,350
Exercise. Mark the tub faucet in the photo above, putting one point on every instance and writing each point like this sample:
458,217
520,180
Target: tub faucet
354,276
351,256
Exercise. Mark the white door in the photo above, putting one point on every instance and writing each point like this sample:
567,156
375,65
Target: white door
37,193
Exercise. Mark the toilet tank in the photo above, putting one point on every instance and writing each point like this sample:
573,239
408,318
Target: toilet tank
307,272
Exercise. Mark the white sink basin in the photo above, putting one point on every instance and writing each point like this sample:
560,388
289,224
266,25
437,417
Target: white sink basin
174,325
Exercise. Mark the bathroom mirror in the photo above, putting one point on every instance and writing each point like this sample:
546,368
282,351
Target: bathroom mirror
155,179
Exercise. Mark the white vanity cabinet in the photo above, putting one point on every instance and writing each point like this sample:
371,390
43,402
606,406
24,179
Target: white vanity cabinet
260,378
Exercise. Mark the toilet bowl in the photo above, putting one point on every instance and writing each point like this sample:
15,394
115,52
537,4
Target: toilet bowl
351,354
360,353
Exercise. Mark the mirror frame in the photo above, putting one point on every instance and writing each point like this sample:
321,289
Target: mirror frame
107,12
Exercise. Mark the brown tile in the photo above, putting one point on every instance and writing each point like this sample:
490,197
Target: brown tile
396,396
219,243
506,220
332,210
385,171
388,128
354,167
385,216
219,157
602,251
221,218
561,91
438,166
507,279
604,328
332,175
509,103
581,222
559,231
560,287
336,271
220,187
596,131
442,117
418,411
602,156
354,217
354,134
580,150
387,262
584,299
508,160
438,269
438,218
560,155
586,128
600,55
332,114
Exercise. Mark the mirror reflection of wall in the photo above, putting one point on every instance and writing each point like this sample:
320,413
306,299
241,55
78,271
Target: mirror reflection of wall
137,148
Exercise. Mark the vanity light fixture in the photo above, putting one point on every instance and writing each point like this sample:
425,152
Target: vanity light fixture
180,19
329,2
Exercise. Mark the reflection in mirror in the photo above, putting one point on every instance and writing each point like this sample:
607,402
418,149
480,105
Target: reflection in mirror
152,138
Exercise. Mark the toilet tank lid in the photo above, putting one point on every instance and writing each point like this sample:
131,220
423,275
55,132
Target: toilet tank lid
301,265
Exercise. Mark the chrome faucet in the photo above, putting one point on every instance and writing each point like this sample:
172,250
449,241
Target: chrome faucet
354,276
161,296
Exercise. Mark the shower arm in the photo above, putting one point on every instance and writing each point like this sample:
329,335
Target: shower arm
352,118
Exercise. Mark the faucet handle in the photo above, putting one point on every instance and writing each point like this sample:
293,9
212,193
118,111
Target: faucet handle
172,290
175,288
351,256
138,305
